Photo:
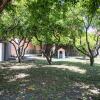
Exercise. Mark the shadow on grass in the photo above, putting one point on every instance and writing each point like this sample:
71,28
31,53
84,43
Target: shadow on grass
49,82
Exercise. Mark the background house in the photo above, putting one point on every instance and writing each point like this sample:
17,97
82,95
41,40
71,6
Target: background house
7,50
36,49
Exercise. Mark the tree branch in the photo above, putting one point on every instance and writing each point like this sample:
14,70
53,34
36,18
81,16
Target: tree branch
3,4
14,47
25,48
78,48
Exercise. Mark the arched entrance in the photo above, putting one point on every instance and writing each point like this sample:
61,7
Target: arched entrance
61,53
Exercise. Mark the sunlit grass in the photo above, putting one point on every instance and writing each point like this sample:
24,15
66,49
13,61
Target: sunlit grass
71,68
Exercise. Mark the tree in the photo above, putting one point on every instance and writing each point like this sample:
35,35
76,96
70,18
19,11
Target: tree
80,23
20,47
48,44
14,29
45,23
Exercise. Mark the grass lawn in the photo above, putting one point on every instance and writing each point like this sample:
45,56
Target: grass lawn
63,80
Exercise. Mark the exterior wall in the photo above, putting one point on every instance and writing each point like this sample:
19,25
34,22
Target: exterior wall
99,53
13,52
35,49
69,50
8,51
31,49
1,51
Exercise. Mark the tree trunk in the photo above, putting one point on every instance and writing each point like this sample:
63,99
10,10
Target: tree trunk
49,60
3,3
91,61
19,59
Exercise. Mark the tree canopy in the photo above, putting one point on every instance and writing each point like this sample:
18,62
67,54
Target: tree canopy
50,21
